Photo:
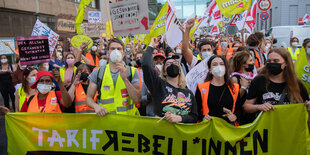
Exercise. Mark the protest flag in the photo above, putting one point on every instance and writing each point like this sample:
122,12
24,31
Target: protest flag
229,8
80,15
302,69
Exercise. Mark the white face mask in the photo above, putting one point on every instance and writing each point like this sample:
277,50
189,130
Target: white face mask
128,49
159,67
43,88
205,55
22,67
102,62
218,71
295,44
46,68
59,49
4,61
178,51
116,56
32,80
94,48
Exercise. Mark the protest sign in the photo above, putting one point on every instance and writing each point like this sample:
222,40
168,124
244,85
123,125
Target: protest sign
65,25
41,29
33,50
77,41
5,49
229,8
273,132
94,29
302,69
94,16
197,75
129,17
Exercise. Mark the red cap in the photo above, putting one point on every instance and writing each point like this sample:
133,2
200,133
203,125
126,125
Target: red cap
160,55
39,75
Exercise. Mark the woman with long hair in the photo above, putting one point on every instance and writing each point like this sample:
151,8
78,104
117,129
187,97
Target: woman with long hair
254,43
276,84
29,77
218,96
242,66
78,90
171,99
6,85
67,73
57,58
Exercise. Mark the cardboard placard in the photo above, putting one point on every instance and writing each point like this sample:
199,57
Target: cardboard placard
129,17
33,50
94,29
5,49
65,25
77,41
41,29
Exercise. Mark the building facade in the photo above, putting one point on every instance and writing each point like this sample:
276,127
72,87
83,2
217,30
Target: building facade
283,13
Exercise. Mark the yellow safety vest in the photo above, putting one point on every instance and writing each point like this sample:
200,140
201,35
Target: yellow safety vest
295,55
22,97
62,72
116,99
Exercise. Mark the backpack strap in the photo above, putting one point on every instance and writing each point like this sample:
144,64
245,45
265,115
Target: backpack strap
100,75
28,102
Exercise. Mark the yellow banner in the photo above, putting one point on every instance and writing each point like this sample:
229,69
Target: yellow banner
279,132
80,15
231,7
302,69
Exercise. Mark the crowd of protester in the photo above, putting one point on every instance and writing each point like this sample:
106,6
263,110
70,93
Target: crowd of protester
245,76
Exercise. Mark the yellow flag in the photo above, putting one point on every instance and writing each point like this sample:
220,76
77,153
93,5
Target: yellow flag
158,27
126,41
109,29
229,7
80,15
193,30
302,69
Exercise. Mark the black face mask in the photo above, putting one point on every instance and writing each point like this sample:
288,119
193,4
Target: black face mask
274,68
84,76
138,63
250,68
173,70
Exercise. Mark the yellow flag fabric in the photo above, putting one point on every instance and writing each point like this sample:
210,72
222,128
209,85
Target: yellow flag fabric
138,38
280,132
158,27
302,69
109,30
80,15
230,7
194,28
126,41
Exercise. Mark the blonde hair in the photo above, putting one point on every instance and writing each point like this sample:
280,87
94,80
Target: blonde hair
181,79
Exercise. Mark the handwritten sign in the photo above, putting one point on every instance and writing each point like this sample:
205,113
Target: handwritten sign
197,75
94,29
33,50
129,17
41,29
77,41
94,16
65,25
5,49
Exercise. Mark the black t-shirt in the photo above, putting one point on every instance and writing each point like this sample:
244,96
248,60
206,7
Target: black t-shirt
273,93
218,98
165,97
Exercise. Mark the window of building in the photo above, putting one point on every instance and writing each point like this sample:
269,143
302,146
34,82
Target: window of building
93,3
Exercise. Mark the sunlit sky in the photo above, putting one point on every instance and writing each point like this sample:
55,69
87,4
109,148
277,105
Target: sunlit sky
185,8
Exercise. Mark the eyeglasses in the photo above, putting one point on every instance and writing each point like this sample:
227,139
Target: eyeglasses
170,63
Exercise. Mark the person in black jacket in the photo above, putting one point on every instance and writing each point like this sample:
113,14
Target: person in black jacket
171,98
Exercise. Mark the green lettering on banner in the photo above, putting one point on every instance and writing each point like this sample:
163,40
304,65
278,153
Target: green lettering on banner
273,132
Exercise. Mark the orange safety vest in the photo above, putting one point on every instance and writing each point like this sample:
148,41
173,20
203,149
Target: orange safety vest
204,90
259,62
51,105
90,57
80,100
139,70
230,51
